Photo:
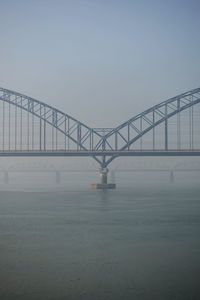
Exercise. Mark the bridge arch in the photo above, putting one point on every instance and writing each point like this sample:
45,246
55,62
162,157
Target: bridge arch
83,136
102,144
138,126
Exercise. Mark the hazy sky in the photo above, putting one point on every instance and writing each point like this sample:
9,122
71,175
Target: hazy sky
100,61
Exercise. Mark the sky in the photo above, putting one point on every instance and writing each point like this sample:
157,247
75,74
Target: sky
101,61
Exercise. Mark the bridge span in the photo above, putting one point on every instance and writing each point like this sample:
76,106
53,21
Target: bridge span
29,127
102,153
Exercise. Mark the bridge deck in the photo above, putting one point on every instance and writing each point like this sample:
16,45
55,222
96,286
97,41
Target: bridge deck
102,153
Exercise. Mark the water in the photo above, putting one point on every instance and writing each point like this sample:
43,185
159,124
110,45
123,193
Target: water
132,243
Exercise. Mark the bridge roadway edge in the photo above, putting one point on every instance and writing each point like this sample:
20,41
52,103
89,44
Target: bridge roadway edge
102,153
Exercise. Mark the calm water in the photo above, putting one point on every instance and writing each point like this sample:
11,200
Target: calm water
125,244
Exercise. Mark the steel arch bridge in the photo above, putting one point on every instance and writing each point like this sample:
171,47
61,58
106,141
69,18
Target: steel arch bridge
29,127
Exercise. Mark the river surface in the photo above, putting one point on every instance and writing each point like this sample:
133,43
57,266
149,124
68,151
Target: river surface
131,243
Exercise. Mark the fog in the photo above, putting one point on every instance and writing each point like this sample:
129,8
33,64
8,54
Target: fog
69,174
101,62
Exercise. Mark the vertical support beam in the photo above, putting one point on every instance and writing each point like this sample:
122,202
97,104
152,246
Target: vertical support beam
191,125
33,131
28,125
78,136
3,124
68,141
178,126
52,137
9,126
103,148
56,124
192,129
56,134
15,127
40,129
140,132
92,140
166,129
153,130
56,138
44,129
65,133
128,136
116,141
21,126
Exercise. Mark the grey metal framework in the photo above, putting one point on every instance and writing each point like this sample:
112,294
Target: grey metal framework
33,128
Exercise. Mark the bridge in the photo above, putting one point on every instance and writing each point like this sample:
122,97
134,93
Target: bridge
29,127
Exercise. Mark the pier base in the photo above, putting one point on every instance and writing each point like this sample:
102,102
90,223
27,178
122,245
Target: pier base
100,186
103,185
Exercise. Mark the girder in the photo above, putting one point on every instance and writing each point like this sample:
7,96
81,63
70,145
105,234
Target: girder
100,154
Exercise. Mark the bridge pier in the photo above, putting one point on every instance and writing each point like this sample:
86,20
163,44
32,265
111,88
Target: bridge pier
112,176
103,185
6,177
58,177
171,177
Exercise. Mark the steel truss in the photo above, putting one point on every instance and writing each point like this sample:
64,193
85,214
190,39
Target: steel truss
103,144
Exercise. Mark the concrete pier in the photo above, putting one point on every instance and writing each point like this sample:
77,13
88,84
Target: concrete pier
58,177
103,185
6,177
112,176
171,177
